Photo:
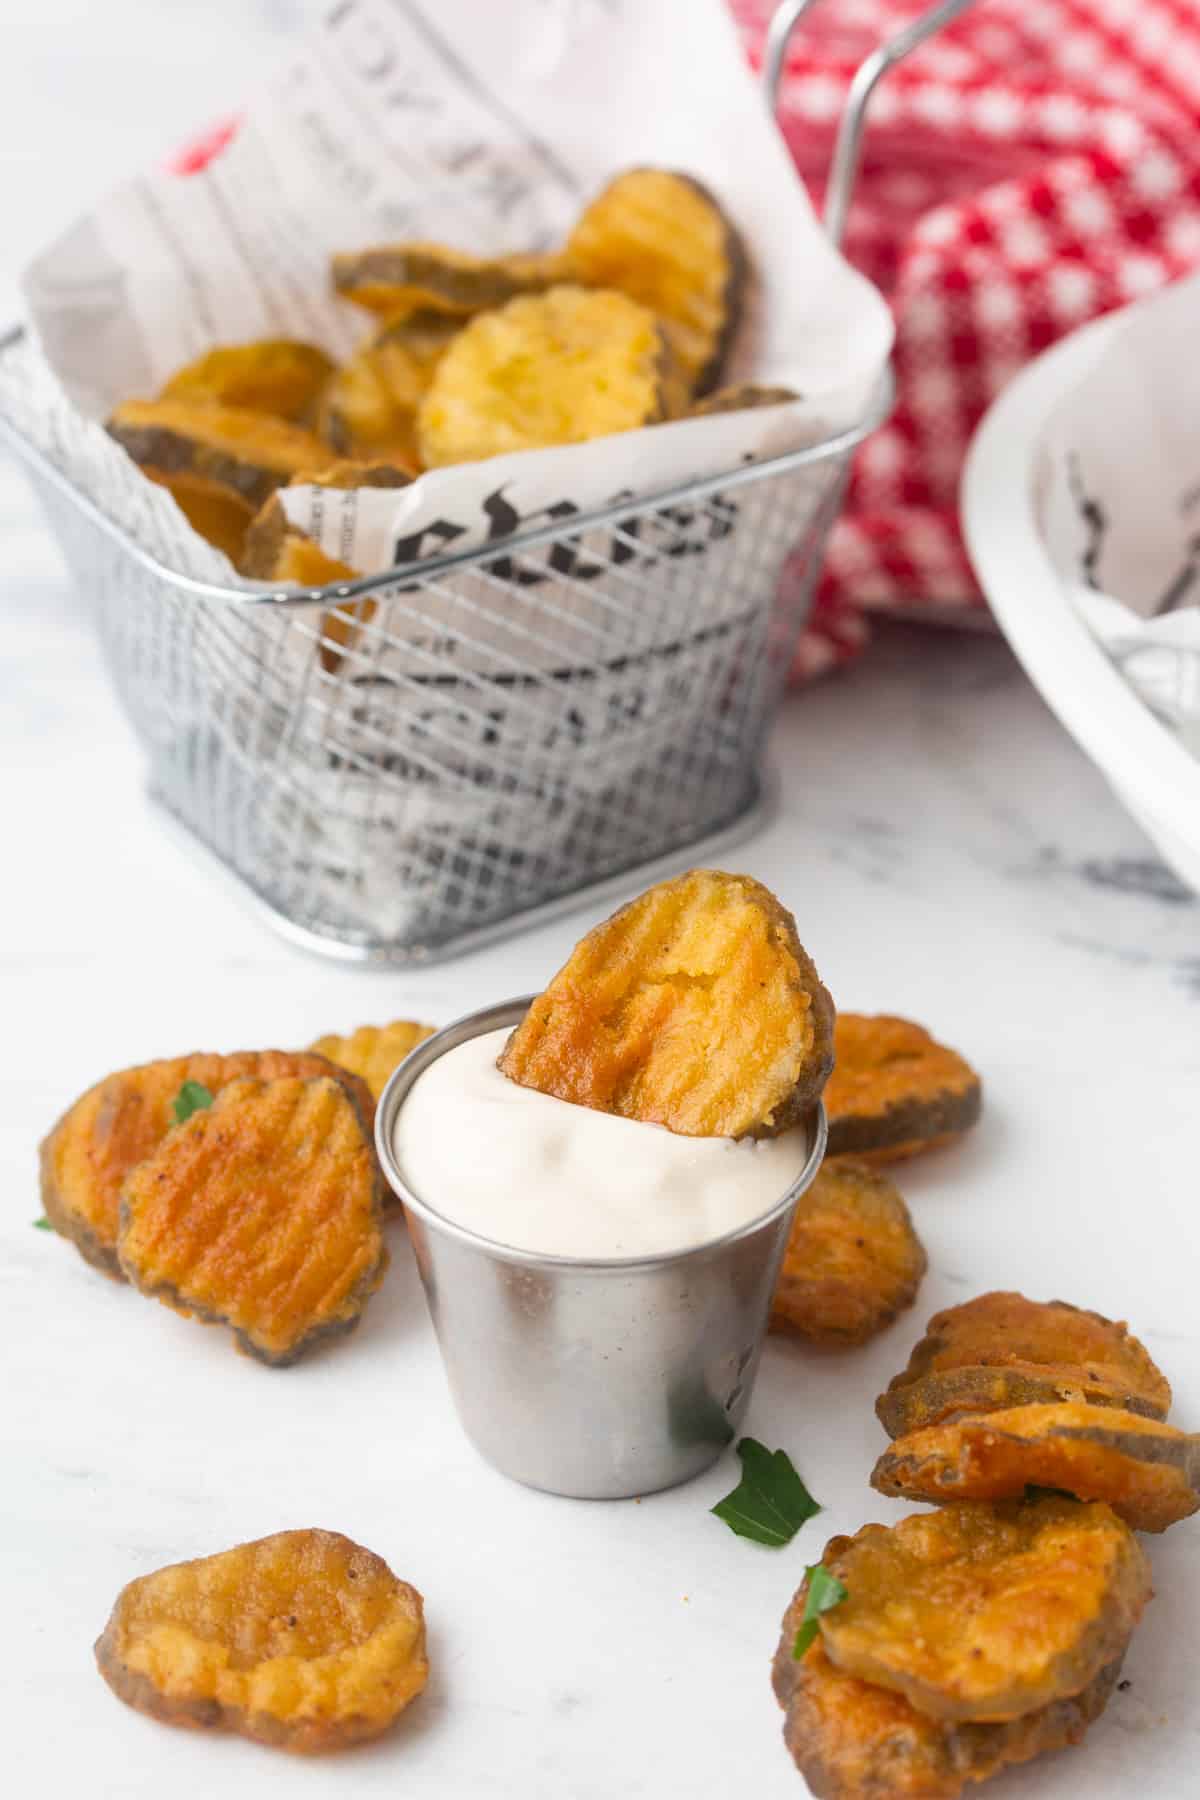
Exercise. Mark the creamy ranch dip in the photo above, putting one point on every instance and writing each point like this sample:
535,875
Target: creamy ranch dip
539,1174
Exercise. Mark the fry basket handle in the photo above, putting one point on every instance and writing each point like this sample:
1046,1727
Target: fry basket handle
846,151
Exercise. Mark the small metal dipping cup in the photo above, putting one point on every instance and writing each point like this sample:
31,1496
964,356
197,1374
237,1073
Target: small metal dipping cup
597,1379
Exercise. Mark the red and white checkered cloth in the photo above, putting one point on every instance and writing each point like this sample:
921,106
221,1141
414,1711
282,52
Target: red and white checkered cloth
1035,165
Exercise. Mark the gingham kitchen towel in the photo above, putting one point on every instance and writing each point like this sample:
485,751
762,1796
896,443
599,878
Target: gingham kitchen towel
1035,165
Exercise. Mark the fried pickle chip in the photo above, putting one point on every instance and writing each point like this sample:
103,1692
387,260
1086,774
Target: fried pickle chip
1001,1350
374,1051
217,512
853,1258
986,1612
302,1640
263,1212
370,407
661,238
852,1740
741,398
695,1007
87,1155
895,1090
395,279
250,453
554,368
280,376
1147,1471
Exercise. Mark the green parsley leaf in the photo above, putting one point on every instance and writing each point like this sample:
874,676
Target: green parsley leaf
192,1097
824,1592
42,1224
770,1503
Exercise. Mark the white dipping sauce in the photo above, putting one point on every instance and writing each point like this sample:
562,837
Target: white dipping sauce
540,1174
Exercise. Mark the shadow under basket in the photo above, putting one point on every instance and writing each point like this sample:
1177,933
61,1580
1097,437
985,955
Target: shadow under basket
407,765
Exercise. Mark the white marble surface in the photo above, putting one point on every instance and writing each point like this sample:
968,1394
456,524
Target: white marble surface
948,854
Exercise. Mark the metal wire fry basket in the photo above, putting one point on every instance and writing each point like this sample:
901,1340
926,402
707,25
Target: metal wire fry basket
498,732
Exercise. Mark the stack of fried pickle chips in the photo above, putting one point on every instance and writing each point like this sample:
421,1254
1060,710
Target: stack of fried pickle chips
981,1634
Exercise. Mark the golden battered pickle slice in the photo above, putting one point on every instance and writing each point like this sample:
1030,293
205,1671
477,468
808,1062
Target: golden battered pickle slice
280,376
395,279
370,406
695,1007
986,1612
263,1212
1147,1471
1002,1350
219,514
896,1090
277,550
302,1640
87,1155
248,452
556,368
852,1740
853,1259
661,238
745,397
374,1051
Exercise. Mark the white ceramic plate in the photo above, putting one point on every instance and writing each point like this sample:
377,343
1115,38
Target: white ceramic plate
1152,774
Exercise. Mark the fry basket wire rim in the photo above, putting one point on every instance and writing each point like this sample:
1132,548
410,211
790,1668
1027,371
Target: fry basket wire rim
291,599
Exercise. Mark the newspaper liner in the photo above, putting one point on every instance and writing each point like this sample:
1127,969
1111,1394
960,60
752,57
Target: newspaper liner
487,128
1118,489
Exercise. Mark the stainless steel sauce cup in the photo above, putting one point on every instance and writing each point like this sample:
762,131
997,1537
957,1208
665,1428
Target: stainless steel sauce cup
598,1379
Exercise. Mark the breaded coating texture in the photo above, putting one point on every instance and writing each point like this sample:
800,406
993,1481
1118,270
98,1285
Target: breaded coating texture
249,452
369,408
1001,1350
396,279
281,376
895,1090
853,1258
87,1156
662,238
986,1612
555,368
694,1007
217,512
302,1640
263,1212
1147,1471
852,1740
374,1051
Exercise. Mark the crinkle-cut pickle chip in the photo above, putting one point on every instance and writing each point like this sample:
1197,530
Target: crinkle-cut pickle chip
87,1155
248,452
853,1258
263,1212
695,1007
370,407
853,1740
280,376
555,368
662,238
374,1051
302,1640
986,1612
895,1090
217,512
276,550
746,396
1001,1350
1147,1471
395,279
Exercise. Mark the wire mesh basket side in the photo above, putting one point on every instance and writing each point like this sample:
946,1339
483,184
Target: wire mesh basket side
455,750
